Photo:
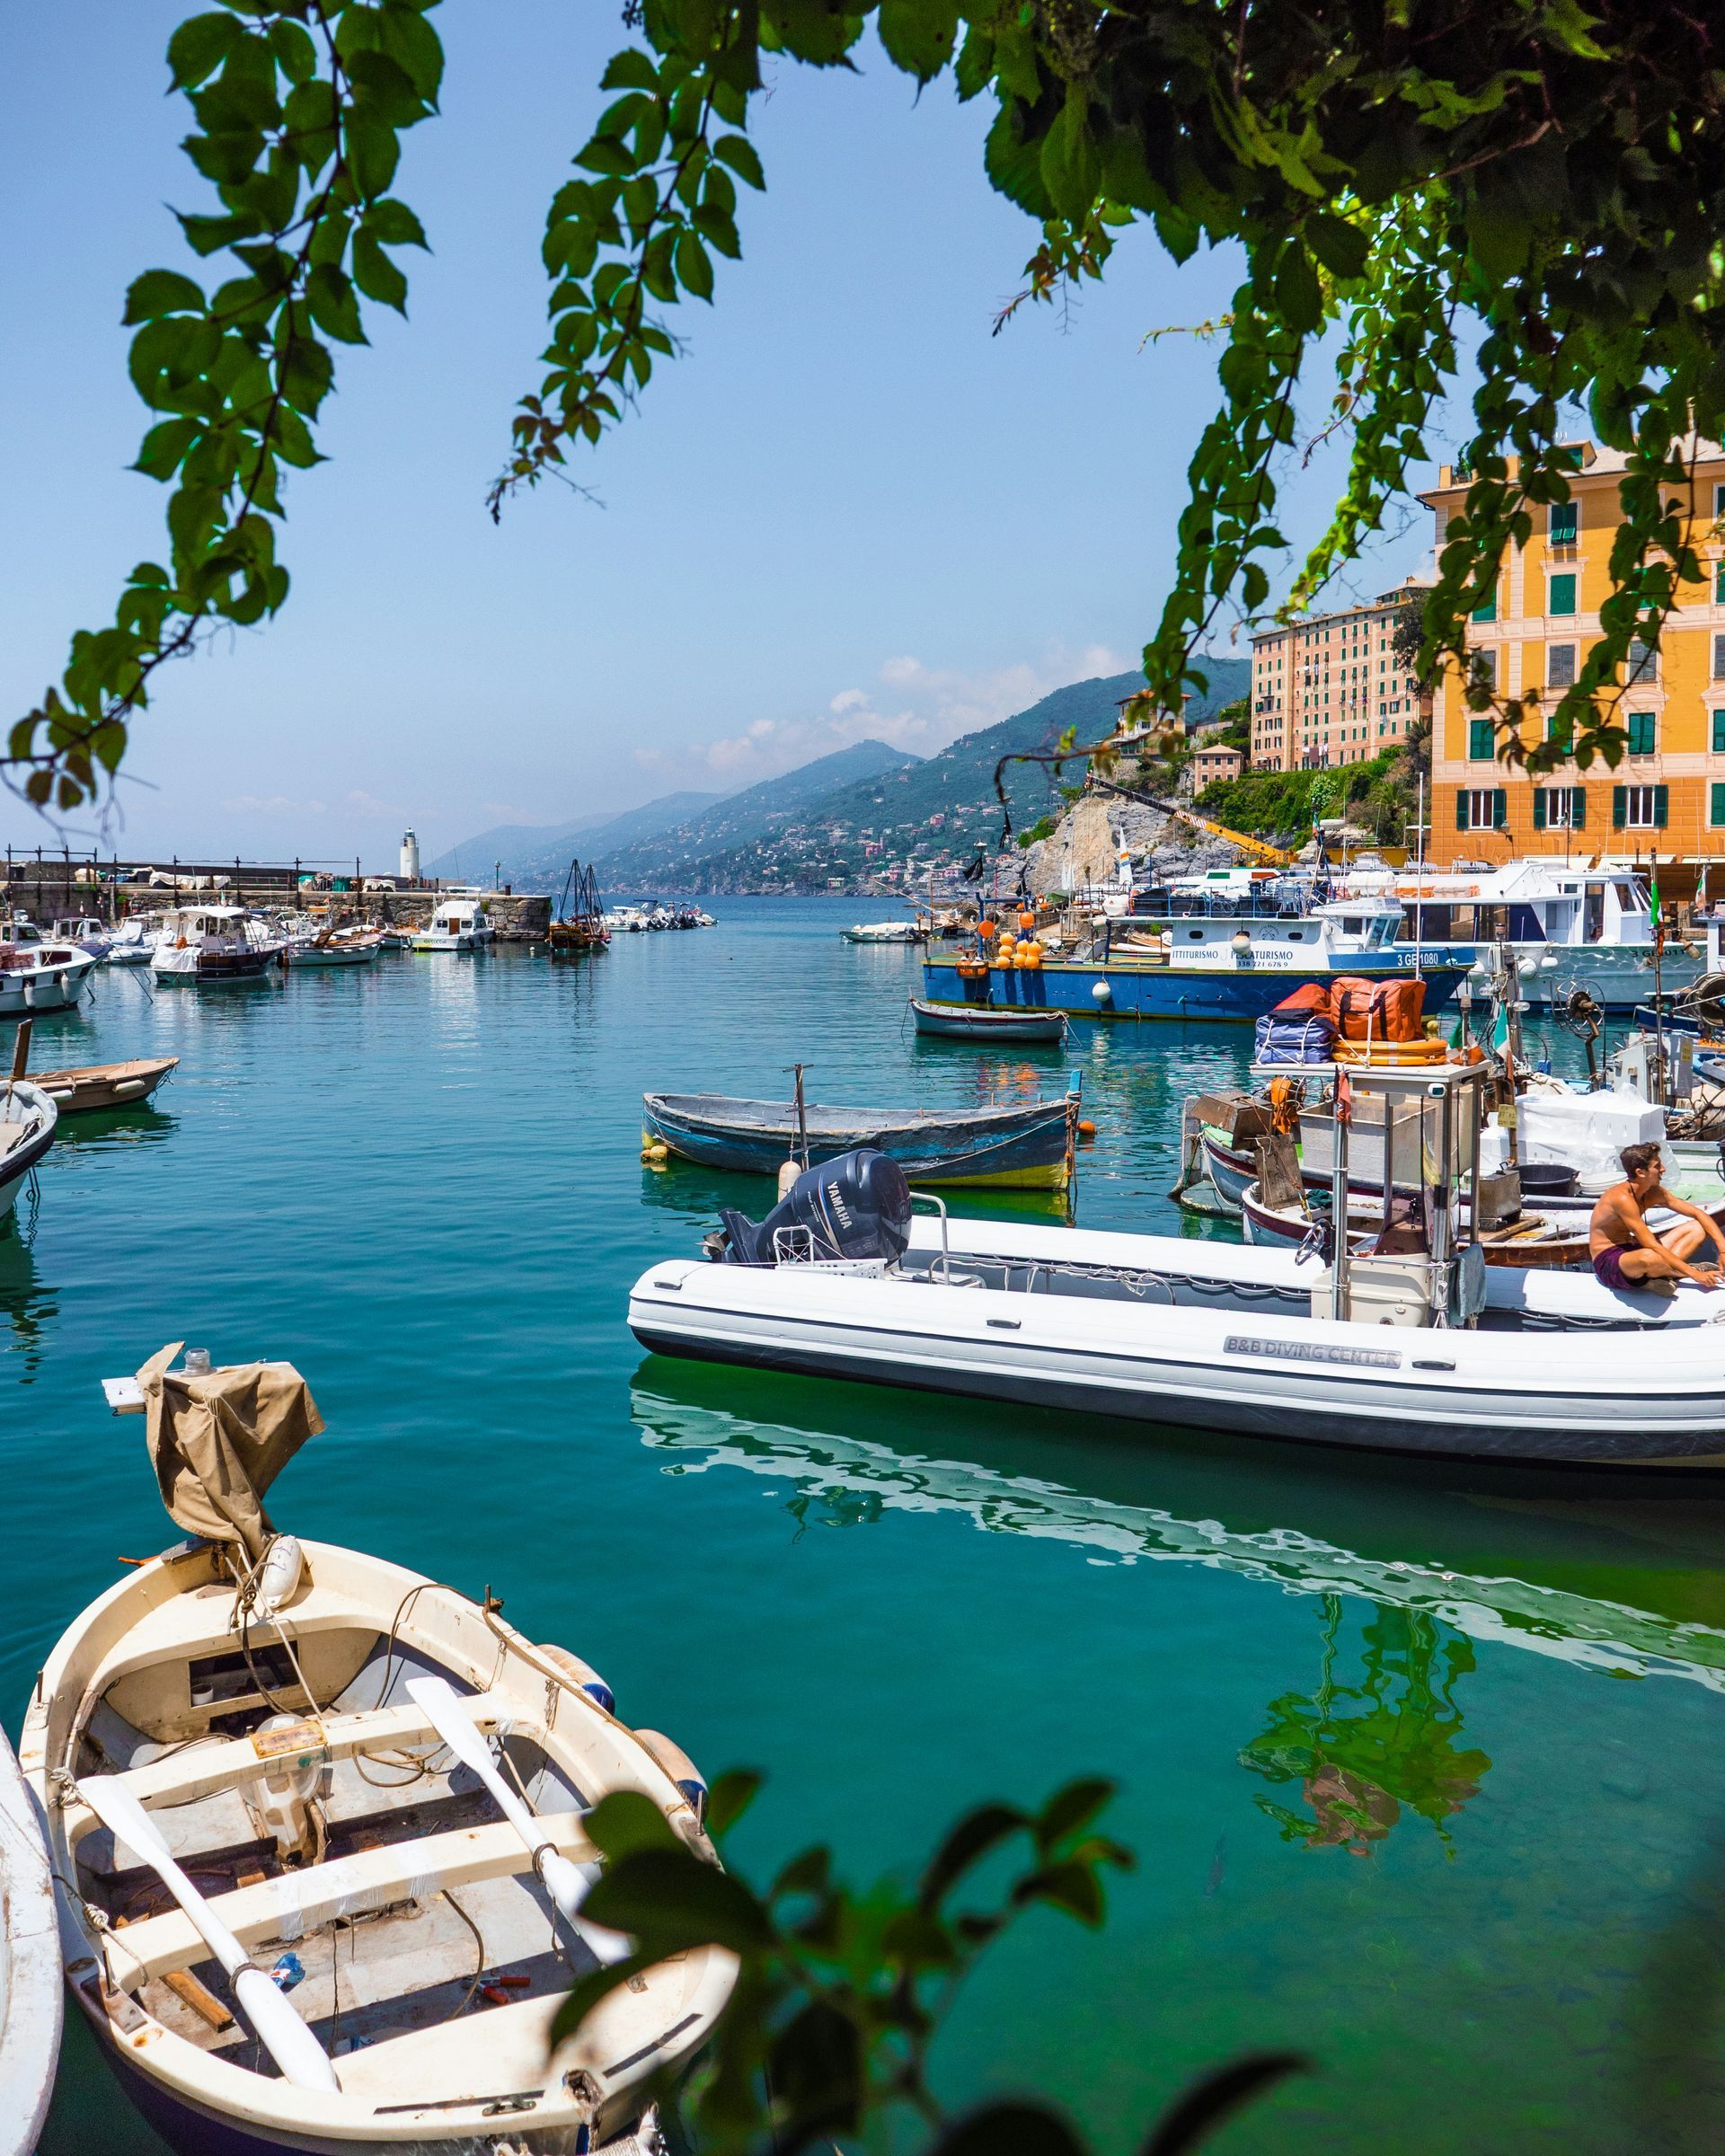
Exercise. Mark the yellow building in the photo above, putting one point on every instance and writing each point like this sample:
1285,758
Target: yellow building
1667,795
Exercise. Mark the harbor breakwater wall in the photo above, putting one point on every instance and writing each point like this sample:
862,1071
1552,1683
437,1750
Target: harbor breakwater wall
49,889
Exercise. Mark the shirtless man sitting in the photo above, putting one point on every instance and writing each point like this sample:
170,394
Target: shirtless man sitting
1626,1251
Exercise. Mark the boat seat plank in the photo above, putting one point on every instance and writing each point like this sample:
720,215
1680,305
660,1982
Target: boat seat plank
184,1776
295,1903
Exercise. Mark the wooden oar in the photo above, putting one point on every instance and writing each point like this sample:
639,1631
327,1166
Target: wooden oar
567,1883
302,2059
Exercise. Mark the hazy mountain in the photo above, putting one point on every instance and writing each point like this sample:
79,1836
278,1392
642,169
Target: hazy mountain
533,855
945,805
664,861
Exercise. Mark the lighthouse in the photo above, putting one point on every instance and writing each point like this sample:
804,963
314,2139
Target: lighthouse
410,857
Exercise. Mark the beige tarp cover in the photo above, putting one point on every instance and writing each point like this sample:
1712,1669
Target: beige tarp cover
220,1439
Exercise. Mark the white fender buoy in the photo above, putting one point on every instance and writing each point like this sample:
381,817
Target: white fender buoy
1102,993
279,1581
584,1673
680,1767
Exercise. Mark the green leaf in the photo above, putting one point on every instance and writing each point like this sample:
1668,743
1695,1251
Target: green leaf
630,69
605,153
335,309
626,1821
729,1797
199,46
974,1835
740,155
1342,248
394,225
295,54
1069,162
669,1902
376,275
1009,2129
409,41
373,151
160,292
307,372
1071,1808
164,446
918,35
1299,299
1219,2095
693,268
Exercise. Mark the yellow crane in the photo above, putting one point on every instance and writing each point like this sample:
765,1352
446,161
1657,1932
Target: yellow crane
1255,849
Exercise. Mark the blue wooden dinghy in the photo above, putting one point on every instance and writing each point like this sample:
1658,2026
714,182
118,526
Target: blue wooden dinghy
982,1022
1020,1148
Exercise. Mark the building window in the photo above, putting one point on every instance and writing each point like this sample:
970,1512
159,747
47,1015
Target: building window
1561,599
1719,584
1642,734
1643,661
1482,808
1559,666
1559,807
1716,804
1718,733
1638,808
1482,740
1487,609
1560,731
1719,654
1484,665
1563,519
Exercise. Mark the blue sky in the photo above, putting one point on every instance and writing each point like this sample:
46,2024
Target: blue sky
847,510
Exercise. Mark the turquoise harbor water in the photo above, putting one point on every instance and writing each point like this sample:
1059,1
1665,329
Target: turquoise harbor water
1422,1768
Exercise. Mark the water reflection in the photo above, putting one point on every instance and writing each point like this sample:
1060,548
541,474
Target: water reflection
1527,1591
27,1308
142,1125
1362,1751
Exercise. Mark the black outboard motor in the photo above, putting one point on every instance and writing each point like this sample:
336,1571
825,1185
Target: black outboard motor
855,1206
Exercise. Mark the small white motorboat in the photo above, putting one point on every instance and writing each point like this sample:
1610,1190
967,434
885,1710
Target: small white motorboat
1414,1348
883,932
455,924
315,1824
30,1966
132,938
334,948
87,932
37,974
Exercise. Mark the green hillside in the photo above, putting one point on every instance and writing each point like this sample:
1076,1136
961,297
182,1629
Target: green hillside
943,808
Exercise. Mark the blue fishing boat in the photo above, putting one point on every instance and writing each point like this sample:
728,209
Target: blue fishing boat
1025,1147
1232,962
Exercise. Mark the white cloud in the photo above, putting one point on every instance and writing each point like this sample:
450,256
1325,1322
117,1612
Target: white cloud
273,804
928,707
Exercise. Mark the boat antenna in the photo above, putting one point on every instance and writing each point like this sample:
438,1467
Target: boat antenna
802,1116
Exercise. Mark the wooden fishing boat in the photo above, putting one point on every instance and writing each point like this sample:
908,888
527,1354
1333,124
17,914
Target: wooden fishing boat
30,1966
979,1021
1539,1237
1021,1148
315,1823
86,1086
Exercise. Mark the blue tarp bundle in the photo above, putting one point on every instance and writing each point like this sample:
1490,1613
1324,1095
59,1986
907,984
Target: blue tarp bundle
1303,1039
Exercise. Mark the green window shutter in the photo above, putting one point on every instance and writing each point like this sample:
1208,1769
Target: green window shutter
1563,514
1562,599
1499,808
1578,808
1539,808
1718,733
1718,585
1482,740
1643,735
1662,796
1487,609
1716,805
1619,806
1461,809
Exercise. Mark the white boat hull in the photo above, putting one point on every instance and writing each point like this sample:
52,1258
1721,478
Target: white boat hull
30,1967
1238,1352
54,985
